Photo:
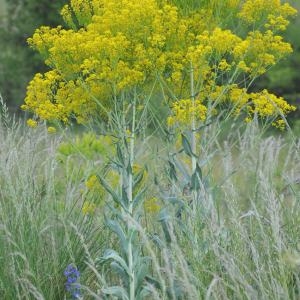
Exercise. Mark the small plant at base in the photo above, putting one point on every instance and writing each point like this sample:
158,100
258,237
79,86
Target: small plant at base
72,281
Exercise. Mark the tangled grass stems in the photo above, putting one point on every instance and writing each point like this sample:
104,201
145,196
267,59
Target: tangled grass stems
36,240
244,247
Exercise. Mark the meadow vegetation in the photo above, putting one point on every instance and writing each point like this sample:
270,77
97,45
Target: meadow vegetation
241,242
174,186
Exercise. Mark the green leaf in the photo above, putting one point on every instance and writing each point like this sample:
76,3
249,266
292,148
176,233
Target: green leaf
140,276
116,163
196,178
118,230
129,169
138,178
108,188
117,291
138,199
186,146
120,155
157,241
163,218
155,180
112,254
120,271
124,199
145,292
182,168
172,171
153,282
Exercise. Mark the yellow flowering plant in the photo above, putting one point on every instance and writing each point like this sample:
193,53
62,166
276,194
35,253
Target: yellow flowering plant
112,51
112,47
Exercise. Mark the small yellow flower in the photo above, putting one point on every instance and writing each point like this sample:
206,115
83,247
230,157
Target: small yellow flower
51,129
107,53
152,205
280,124
32,123
92,182
224,65
88,208
184,110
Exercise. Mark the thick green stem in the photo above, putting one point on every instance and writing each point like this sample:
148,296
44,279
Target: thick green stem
130,208
193,121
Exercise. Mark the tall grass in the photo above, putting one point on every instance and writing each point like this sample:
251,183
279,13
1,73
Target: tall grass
240,242
40,231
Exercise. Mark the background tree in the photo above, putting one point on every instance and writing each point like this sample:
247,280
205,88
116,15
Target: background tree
18,62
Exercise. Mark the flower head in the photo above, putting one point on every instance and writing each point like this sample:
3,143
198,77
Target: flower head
88,208
51,129
32,123
72,276
152,205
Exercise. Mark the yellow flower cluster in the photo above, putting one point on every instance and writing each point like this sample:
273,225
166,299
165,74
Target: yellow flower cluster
255,11
259,51
115,46
118,48
222,41
265,104
183,111
32,123
262,104
239,98
81,10
40,97
93,183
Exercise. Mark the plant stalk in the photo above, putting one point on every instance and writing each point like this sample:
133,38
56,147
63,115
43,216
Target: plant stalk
130,201
193,121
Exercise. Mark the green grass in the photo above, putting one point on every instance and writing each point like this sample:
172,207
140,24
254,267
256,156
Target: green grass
235,237
240,242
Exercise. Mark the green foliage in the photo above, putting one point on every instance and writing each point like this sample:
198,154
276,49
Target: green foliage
241,241
88,145
222,218
40,230
284,78
17,62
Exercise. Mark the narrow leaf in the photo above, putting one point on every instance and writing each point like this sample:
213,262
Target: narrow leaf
196,178
186,146
116,291
108,188
172,171
120,155
118,230
112,254
138,178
